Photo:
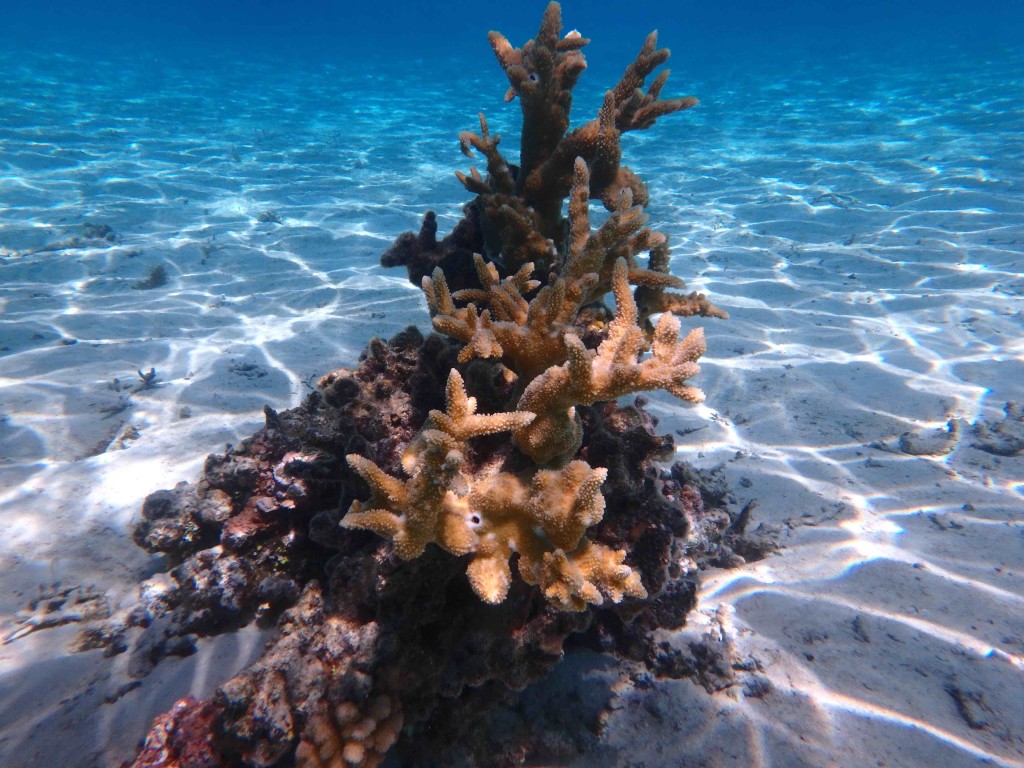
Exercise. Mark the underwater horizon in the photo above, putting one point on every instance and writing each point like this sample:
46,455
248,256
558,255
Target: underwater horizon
204,192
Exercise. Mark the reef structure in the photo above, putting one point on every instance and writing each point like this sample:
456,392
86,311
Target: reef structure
529,326
429,529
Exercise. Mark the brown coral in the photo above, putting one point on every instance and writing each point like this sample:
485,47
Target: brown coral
528,322
542,74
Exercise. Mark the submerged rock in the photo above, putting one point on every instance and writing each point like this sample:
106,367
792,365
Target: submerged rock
372,649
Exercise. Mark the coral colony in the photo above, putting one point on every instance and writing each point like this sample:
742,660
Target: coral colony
498,439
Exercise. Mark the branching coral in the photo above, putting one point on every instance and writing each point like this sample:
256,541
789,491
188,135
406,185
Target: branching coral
612,371
493,515
431,506
381,649
527,335
526,203
529,324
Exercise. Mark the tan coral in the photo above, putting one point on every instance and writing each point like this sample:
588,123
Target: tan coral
624,235
426,508
552,510
612,371
493,515
349,738
528,335
570,581
541,283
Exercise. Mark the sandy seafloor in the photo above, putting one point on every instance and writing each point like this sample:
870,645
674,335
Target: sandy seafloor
861,221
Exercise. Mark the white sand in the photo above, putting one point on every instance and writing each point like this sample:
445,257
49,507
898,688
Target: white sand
875,288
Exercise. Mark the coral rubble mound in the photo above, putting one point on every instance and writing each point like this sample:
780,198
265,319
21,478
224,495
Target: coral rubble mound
499,500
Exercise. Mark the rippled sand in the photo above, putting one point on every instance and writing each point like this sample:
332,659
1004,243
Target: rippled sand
862,222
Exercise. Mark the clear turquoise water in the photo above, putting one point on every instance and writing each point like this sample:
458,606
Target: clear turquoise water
851,189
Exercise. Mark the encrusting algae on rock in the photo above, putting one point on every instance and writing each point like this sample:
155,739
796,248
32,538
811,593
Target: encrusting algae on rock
499,500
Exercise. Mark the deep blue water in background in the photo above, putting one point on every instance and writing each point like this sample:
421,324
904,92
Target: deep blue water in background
725,40
412,28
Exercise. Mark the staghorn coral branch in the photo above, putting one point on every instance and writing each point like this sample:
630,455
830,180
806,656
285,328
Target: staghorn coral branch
612,371
462,422
525,335
579,217
635,110
528,335
685,305
563,504
647,60
499,175
547,161
474,182
565,517
542,74
517,208
625,235
504,296
425,509
496,515
540,283
571,580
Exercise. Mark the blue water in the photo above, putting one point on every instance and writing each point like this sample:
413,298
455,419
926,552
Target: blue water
850,188
412,28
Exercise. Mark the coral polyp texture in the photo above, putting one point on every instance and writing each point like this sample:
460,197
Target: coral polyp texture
536,272
427,530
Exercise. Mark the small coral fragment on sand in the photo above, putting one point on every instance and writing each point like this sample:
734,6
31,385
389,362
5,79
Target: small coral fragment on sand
56,605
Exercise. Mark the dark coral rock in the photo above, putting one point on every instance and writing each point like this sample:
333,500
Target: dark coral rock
233,474
168,523
160,638
215,590
378,651
108,636
263,519
319,659
421,253
623,439
720,538
278,591
180,522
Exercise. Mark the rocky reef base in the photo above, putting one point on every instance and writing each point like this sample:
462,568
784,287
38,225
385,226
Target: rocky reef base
375,655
